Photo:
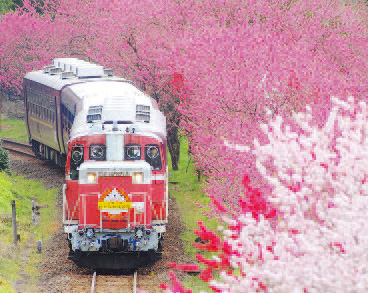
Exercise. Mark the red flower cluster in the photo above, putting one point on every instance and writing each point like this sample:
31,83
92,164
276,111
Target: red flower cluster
339,246
256,203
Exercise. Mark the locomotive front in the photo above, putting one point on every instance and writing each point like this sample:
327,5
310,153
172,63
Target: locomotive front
115,196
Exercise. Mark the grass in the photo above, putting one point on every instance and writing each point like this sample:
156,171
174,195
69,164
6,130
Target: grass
23,191
5,286
187,192
13,128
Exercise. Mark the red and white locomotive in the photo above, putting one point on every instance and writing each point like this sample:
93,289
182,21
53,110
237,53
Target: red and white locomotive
112,139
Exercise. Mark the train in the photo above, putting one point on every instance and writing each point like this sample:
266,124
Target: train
111,139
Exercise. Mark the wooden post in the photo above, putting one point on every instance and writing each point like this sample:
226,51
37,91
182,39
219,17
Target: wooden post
33,212
14,222
39,246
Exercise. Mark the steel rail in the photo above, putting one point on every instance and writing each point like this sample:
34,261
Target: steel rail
19,152
135,282
9,145
94,278
93,282
15,142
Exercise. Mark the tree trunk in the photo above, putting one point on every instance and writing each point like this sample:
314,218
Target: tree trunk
173,144
198,174
1,109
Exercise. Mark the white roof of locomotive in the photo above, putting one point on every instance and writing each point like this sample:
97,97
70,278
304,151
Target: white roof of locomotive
67,71
118,101
96,86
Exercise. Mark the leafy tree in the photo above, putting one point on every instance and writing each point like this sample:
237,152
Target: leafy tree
6,6
4,159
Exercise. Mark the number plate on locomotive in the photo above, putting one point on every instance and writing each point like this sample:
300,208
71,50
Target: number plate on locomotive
114,205
113,173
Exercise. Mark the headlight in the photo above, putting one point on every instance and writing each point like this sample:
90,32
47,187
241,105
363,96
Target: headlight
138,178
77,154
153,152
91,178
153,157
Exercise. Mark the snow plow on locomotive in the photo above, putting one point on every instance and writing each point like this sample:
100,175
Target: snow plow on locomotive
111,137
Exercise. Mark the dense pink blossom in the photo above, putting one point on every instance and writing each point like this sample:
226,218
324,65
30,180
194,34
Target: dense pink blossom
224,65
319,242
264,57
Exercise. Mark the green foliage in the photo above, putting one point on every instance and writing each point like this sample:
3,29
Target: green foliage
5,286
6,194
6,6
13,128
19,3
4,159
23,191
187,192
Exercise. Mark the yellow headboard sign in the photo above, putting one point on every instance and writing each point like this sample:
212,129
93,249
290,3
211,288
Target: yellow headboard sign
114,205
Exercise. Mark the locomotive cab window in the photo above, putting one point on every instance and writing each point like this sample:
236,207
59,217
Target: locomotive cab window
132,152
153,157
97,152
76,158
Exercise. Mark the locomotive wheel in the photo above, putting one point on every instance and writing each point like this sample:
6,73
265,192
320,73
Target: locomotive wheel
70,245
61,161
159,249
36,148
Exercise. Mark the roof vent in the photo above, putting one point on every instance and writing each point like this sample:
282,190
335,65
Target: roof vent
108,72
65,75
142,113
68,66
59,62
89,70
94,114
54,70
46,69
79,68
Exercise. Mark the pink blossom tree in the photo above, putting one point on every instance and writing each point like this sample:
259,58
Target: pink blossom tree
222,49
21,50
125,35
216,67
316,238
276,55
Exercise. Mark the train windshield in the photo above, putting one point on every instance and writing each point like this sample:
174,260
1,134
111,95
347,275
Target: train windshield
76,158
153,157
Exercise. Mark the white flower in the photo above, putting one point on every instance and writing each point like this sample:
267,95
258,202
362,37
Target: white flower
321,238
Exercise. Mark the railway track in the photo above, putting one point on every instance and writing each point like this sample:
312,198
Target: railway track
17,147
114,283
